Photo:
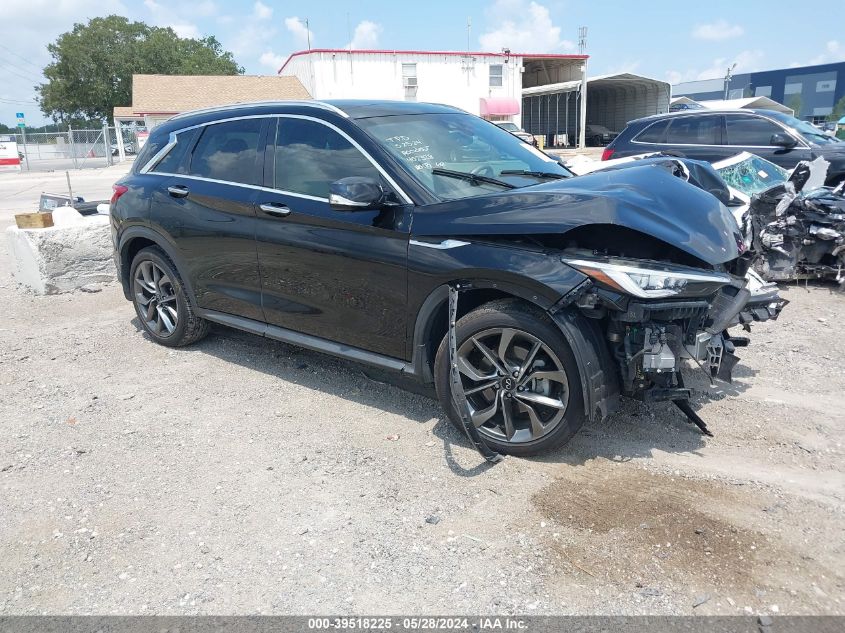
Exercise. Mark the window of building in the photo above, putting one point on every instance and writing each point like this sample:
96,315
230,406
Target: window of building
763,91
694,130
310,156
496,75
826,86
736,93
409,81
228,151
750,131
655,133
792,89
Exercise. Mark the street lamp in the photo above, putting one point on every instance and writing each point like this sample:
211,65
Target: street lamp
728,80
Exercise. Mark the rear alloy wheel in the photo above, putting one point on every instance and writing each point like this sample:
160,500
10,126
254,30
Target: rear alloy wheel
156,296
160,300
519,377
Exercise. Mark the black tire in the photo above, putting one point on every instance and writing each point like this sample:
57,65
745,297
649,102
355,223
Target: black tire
516,315
189,328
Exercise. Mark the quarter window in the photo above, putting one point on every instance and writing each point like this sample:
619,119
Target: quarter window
655,133
495,75
750,131
228,151
174,162
694,130
310,156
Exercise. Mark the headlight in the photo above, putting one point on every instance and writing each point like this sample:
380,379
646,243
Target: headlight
650,280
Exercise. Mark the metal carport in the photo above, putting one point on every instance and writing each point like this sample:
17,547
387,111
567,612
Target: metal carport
613,100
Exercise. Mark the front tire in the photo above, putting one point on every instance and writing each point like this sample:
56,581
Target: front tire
160,301
519,375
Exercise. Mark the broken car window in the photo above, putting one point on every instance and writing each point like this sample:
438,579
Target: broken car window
753,175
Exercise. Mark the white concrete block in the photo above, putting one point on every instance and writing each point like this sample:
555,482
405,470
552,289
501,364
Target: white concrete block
62,258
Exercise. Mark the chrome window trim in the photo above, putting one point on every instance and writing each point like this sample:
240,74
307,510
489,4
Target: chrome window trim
308,103
172,143
244,185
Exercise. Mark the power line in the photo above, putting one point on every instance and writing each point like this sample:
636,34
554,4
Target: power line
21,57
28,78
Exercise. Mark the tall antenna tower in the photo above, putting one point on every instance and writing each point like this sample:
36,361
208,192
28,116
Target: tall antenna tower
582,39
469,33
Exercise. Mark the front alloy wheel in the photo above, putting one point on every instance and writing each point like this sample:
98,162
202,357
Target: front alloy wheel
516,386
520,377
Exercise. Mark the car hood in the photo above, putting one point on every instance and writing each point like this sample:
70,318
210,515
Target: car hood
646,198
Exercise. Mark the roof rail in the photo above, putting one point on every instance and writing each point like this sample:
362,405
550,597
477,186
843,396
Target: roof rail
310,103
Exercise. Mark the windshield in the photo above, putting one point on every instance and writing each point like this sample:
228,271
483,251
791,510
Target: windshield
810,132
753,175
429,145
510,127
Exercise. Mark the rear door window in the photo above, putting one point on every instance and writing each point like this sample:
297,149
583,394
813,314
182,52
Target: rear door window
309,156
750,131
654,133
694,130
228,151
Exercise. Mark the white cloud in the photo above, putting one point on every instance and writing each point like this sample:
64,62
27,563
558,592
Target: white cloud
522,26
365,36
262,11
833,51
746,61
169,16
300,32
717,31
271,60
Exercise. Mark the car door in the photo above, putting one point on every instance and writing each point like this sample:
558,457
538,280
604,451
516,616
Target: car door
697,136
752,133
338,275
206,205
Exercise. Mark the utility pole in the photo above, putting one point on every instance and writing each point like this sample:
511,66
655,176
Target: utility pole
582,118
728,81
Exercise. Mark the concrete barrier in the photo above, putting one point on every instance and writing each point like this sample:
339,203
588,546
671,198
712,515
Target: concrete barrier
63,258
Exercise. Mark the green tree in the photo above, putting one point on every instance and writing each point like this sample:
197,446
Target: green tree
93,63
795,104
838,111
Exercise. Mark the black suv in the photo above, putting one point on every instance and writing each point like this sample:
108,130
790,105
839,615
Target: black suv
347,227
713,135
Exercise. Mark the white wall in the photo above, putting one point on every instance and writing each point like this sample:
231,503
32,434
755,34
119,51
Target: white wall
449,79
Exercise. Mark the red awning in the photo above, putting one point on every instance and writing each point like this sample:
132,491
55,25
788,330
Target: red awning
499,107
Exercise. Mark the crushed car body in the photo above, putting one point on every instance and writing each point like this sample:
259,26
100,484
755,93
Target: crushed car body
794,225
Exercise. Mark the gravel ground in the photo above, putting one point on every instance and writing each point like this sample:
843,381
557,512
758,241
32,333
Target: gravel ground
243,476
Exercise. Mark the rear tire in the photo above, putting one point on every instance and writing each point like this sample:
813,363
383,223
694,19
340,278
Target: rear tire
161,302
538,409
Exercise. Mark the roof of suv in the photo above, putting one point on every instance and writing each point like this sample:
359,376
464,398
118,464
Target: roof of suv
654,117
347,108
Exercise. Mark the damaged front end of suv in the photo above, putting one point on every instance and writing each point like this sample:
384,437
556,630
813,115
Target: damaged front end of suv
663,275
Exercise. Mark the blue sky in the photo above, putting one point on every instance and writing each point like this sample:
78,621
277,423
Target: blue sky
670,40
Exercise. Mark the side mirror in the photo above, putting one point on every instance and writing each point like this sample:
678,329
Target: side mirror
779,139
355,193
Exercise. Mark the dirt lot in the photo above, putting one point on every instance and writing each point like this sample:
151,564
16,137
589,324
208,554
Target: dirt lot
247,476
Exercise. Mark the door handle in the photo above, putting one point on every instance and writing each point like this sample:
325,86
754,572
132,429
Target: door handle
178,191
275,209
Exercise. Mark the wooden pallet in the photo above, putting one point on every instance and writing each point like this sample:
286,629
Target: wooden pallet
34,220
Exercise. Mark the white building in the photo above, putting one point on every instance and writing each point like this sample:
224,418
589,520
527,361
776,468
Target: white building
487,84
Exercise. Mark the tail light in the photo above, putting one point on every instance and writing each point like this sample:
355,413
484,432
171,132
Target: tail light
607,154
118,190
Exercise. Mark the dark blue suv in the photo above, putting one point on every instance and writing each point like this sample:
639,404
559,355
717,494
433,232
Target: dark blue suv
713,135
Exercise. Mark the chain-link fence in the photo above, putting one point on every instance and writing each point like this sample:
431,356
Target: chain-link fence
74,149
